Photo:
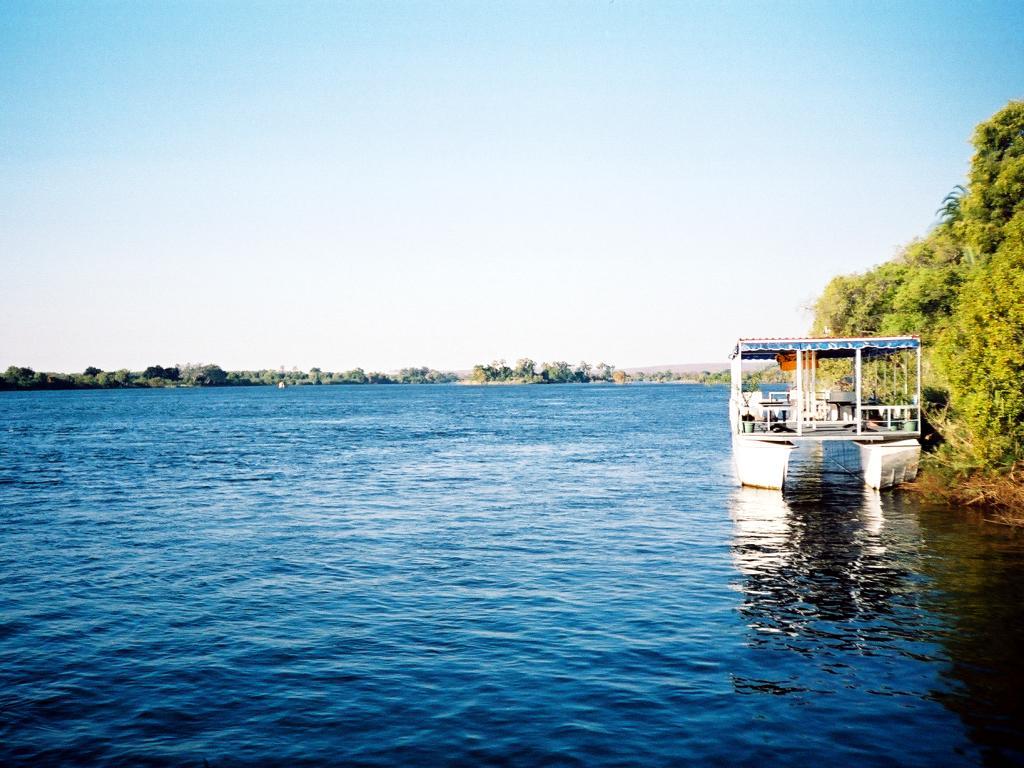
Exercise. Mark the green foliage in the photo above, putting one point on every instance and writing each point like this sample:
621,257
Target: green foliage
950,210
525,372
159,372
983,353
355,376
855,305
201,375
422,376
674,377
961,289
558,372
912,294
996,190
923,302
772,374
603,372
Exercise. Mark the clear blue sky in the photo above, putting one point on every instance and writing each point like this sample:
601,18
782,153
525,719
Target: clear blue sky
391,184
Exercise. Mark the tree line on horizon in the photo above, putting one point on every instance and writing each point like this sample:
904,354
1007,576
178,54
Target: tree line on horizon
208,375
526,371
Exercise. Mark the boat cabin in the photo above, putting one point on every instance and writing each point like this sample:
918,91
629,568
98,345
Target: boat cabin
866,387
861,390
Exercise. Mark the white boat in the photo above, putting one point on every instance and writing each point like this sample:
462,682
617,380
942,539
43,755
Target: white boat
884,426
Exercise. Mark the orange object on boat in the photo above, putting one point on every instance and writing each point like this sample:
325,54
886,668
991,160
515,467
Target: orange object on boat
787,361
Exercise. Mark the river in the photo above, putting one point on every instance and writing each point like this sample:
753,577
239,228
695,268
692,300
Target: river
545,575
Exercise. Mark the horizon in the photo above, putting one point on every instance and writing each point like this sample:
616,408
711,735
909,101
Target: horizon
364,185
674,367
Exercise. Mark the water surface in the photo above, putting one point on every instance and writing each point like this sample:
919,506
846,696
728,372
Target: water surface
560,575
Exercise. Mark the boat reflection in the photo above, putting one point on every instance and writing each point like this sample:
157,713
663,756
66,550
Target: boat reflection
833,576
819,567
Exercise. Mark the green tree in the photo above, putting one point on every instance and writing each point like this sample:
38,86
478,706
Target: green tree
996,190
526,370
855,305
950,210
558,372
982,353
355,376
961,288
157,372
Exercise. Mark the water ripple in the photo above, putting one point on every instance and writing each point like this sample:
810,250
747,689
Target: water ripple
447,575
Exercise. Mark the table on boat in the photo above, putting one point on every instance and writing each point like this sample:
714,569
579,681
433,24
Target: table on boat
771,406
840,404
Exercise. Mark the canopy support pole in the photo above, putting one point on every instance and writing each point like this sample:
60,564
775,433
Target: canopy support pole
917,397
812,398
856,357
799,392
737,391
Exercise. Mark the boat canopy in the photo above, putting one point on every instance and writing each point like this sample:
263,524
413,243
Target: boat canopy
770,349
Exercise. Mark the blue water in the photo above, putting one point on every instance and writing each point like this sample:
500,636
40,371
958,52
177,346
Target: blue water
425,575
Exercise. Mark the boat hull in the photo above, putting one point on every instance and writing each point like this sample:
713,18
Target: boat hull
761,464
884,465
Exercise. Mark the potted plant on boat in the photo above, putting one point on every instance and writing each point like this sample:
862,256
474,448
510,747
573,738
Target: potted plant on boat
909,425
746,417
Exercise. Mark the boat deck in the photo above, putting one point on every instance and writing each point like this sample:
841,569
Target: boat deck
787,432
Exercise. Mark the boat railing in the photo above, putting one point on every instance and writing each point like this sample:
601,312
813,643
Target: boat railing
784,415
899,416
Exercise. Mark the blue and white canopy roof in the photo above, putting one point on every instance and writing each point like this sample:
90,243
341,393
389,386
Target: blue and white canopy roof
871,346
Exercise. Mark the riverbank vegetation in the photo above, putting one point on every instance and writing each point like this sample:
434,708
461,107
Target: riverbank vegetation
961,288
193,375
525,371
680,377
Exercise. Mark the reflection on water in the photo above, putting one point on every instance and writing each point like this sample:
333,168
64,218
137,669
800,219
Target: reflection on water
837,578
976,571
815,558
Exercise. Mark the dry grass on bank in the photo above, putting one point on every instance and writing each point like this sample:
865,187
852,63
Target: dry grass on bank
999,497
